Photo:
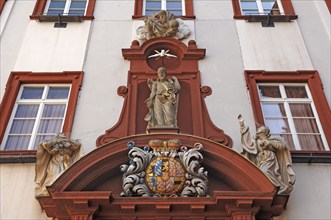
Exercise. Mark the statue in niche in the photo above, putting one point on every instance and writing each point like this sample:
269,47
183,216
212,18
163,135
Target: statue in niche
53,158
271,155
163,101
163,24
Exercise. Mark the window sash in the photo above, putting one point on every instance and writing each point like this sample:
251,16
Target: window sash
69,8
175,11
259,10
291,120
39,118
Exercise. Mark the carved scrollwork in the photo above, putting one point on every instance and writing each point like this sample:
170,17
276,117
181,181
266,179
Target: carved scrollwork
122,91
160,170
205,91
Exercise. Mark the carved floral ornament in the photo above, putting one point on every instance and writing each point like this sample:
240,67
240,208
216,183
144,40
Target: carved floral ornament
164,168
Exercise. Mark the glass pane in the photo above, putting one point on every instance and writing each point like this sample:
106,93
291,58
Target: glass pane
176,12
17,142
248,5
277,125
301,110
268,5
76,12
22,126
296,92
78,4
26,111
32,92
289,140
250,12
150,12
57,4
311,142
153,5
58,93
54,111
40,138
50,126
273,109
269,92
306,125
55,12
174,4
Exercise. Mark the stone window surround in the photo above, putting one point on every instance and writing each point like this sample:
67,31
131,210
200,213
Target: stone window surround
15,80
138,9
287,6
38,12
310,77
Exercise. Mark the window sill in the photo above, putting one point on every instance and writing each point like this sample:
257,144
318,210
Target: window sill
264,18
311,156
64,18
140,17
17,156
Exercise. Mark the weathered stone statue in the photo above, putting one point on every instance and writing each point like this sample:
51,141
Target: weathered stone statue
271,155
163,101
163,24
53,158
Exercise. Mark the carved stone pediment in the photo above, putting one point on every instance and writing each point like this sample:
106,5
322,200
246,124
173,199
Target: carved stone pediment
192,113
93,185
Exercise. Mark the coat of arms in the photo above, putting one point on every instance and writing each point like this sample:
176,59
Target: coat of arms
164,168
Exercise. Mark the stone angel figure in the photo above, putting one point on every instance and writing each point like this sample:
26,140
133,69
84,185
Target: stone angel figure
163,101
53,158
271,155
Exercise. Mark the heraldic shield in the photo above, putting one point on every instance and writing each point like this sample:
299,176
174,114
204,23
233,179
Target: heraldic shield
164,168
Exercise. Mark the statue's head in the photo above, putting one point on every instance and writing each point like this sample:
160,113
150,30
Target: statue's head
263,130
161,73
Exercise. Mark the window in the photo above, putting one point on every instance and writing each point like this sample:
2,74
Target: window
261,7
183,8
38,115
174,6
36,106
49,10
293,106
66,7
290,113
281,8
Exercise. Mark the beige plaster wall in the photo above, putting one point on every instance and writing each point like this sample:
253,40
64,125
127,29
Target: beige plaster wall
17,193
310,198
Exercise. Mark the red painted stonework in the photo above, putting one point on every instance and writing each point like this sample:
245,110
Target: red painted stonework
90,189
193,117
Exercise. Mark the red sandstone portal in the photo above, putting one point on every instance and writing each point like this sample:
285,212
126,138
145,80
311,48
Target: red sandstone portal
90,189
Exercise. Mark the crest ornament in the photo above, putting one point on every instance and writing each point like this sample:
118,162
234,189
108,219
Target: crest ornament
164,168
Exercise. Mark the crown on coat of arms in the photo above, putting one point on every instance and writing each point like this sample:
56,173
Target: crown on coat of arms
171,145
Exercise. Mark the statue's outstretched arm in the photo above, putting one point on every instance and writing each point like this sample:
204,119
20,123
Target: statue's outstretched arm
247,142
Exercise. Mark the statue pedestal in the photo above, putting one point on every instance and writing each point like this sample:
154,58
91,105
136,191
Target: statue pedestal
163,130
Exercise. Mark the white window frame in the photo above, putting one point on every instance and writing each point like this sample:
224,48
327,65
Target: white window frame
66,7
261,9
164,6
286,101
41,102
